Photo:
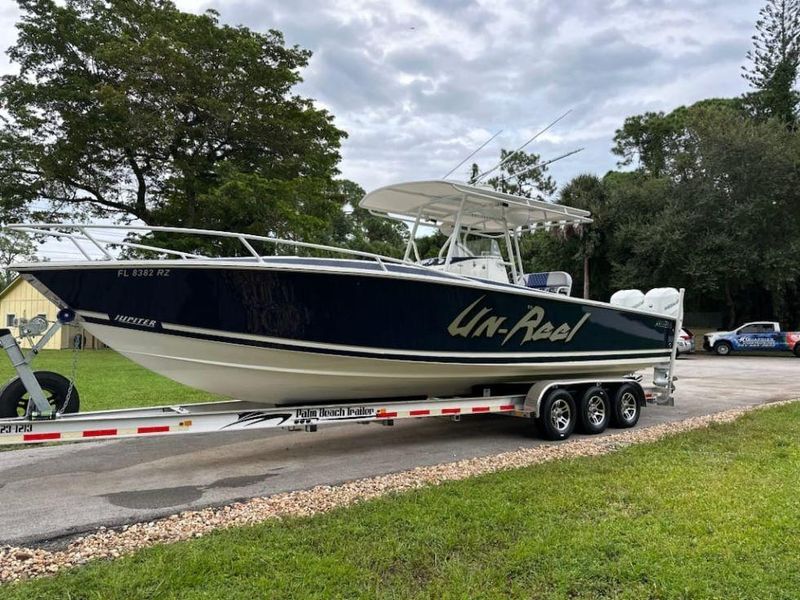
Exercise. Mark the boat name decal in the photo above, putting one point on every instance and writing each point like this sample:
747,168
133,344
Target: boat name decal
476,321
126,320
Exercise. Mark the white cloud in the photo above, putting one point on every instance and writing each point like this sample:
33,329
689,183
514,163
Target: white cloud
418,84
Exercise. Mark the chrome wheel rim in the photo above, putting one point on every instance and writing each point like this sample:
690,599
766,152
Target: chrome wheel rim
628,405
723,349
596,410
560,415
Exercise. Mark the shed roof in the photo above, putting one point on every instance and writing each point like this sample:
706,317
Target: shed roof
7,290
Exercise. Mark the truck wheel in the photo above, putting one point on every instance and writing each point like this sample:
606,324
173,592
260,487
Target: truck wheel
722,348
594,410
797,350
14,397
557,415
625,409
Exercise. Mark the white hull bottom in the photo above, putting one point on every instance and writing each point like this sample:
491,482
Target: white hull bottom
276,376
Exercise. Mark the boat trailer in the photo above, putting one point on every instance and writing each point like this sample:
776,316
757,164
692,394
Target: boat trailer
45,421
235,415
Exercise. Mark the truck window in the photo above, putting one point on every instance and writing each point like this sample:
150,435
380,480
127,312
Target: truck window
751,329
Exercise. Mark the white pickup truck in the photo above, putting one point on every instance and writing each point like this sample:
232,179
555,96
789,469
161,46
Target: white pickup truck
759,335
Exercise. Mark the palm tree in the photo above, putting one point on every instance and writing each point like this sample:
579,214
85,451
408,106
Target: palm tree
587,192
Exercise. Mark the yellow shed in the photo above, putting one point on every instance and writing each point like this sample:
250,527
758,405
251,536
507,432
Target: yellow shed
20,300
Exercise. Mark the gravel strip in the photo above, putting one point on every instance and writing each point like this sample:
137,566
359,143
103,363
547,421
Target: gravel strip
23,563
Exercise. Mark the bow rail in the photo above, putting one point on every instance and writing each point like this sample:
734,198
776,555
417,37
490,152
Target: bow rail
85,235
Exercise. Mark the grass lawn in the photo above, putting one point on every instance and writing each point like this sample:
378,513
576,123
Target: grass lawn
708,514
108,380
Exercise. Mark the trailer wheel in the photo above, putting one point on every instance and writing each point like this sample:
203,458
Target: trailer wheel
594,410
722,348
557,415
625,410
14,397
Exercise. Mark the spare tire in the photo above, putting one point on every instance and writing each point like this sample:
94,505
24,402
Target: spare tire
14,397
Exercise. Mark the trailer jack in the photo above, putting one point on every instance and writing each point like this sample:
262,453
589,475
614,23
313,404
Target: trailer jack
38,407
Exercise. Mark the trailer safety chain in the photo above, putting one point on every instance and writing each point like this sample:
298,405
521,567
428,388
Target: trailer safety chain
76,341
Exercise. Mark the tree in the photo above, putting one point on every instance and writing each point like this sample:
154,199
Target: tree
586,192
14,246
521,175
358,229
775,58
741,200
645,140
429,245
654,142
134,109
720,221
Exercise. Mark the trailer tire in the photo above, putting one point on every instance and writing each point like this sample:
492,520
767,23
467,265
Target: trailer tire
14,396
723,348
557,415
594,411
626,407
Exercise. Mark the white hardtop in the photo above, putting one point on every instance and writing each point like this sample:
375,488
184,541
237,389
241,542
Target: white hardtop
481,209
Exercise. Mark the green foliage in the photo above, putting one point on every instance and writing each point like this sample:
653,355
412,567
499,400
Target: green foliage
775,58
714,207
714,204
429,245
134,109
708,514
587,192
653,142
14,247
357,229
520,175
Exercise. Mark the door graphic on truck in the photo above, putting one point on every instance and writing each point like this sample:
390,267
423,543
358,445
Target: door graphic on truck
757,336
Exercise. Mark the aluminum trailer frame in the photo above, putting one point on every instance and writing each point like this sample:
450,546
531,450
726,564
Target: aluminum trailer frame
235,415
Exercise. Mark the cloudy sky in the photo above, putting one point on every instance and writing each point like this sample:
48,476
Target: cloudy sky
419,84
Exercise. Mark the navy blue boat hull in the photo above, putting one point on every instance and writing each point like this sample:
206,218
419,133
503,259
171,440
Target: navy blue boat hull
251,331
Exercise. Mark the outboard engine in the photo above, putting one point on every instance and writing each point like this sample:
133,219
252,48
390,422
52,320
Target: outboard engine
663,300
628,299
660,300
666,301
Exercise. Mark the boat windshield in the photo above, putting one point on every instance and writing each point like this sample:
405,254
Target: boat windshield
483,247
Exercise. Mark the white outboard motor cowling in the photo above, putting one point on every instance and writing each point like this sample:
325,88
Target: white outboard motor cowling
629,299
663,300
